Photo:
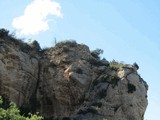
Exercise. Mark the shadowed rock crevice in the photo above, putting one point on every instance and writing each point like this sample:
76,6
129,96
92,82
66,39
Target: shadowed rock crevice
69,82
131,88
34,102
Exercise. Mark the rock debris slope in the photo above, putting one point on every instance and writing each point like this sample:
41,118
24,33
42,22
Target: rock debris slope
68,82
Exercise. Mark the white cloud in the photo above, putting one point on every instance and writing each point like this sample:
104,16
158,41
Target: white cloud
35,15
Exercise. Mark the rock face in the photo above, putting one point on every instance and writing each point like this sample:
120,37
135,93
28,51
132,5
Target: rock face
67,82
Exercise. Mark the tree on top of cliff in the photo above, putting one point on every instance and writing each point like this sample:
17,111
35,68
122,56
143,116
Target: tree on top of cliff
4,32
96,53
136,65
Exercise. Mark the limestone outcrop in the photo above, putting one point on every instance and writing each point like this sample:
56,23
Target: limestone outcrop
68,82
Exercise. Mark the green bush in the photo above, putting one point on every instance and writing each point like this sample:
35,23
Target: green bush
96,53
13,113
3,32
114,65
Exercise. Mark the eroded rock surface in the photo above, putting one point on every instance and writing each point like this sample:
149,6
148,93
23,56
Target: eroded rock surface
67,82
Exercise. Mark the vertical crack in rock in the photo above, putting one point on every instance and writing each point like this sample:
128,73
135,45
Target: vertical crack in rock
33,101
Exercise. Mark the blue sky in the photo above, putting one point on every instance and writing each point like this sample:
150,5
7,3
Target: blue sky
127,30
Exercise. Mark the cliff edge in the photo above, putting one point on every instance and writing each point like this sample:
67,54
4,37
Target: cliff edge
69,82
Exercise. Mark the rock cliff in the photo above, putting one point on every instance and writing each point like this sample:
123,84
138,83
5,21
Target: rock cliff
69,82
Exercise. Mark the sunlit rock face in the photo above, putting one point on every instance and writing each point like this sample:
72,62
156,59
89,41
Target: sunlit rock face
18,71
69,82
